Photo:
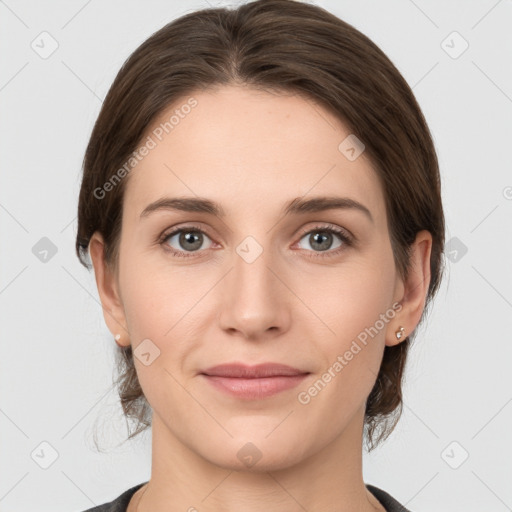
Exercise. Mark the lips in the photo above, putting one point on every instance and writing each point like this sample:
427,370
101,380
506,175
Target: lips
243,371
253,382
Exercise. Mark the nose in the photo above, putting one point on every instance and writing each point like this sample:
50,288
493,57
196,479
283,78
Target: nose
255,303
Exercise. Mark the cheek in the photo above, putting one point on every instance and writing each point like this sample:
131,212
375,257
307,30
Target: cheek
353,297
357,308
145,309
156,310
164,305
153,294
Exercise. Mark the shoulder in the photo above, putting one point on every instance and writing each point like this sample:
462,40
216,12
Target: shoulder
389,503
119,504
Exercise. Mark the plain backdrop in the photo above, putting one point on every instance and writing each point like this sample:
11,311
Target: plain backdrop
452,448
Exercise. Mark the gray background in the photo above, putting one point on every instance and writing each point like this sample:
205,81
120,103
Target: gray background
56,361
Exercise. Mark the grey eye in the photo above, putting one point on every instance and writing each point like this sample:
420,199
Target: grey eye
189,240
321,239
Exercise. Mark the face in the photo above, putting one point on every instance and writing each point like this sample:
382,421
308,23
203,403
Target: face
257,281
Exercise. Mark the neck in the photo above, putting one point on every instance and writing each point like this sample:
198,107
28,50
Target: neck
329,480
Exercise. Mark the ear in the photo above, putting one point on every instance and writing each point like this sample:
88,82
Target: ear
412,292
108,290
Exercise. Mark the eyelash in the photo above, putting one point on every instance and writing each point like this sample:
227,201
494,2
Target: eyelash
347,240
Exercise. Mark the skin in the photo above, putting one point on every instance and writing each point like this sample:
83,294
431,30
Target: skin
252,152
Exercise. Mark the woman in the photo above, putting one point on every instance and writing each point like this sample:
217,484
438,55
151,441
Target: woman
261,205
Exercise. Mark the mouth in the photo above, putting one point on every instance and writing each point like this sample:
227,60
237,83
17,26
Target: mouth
253,382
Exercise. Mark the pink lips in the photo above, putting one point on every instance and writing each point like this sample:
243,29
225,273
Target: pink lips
253,382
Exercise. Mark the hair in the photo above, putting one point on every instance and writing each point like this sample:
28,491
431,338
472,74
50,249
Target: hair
279,46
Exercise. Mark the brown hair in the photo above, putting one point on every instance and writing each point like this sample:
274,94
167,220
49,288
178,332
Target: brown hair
276,46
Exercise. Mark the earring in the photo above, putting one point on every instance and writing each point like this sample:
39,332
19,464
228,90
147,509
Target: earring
399,333
117,337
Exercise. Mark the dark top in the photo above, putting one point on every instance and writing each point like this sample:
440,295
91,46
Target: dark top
121,502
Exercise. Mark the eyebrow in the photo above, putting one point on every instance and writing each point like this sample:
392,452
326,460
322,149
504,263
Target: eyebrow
295,206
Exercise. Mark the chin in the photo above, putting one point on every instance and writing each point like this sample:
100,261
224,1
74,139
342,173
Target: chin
257,454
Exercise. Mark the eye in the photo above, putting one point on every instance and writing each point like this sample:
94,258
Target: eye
188,239
327,239
324,241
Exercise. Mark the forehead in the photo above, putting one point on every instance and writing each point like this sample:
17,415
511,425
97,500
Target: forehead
245,146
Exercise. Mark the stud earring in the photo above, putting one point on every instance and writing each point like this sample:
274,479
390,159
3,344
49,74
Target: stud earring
117,337
399,333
